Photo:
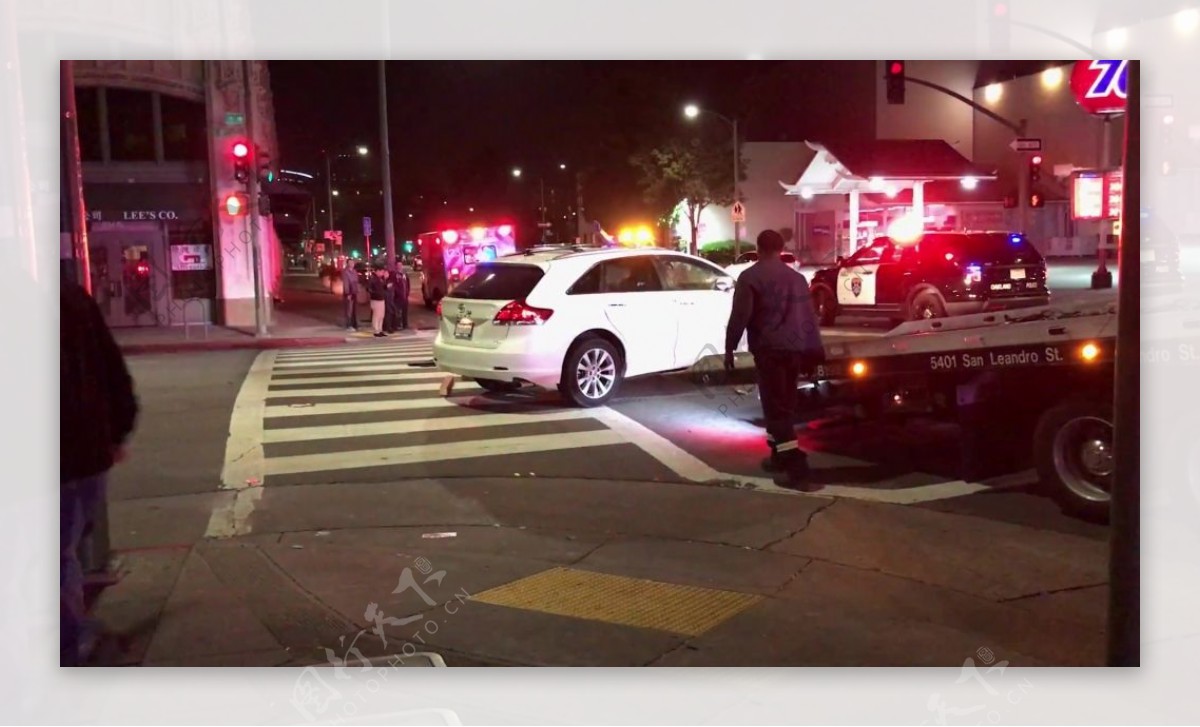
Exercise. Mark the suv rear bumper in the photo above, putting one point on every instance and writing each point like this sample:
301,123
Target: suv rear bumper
508,362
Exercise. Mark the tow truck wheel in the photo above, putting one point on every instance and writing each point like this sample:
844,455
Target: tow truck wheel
1072,449
592,372
497,386
925,306
825,306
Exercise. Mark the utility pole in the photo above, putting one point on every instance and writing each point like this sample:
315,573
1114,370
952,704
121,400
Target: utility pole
389,230
1023,189
328,189
252,220
737,226
1124,565
579,217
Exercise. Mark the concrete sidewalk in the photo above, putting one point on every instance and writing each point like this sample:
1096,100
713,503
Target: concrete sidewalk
533,571
307,315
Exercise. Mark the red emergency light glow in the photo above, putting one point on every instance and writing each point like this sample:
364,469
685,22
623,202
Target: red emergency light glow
478,233
896,68
504,230
449,237
241,150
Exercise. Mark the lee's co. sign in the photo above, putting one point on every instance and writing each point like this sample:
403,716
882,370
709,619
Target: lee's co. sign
1100,87
133,215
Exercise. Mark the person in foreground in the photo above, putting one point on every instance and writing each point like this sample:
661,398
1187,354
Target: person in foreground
97,411
771,303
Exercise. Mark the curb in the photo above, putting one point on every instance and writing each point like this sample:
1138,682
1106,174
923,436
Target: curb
134,349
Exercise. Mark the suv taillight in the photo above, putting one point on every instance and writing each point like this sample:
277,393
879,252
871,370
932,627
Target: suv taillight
517,313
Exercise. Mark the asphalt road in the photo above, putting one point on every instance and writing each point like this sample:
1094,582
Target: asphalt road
371,412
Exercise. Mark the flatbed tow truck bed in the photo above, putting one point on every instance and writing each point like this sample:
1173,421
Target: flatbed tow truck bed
1039,380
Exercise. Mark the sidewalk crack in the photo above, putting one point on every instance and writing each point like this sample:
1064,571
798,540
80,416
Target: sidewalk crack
802,528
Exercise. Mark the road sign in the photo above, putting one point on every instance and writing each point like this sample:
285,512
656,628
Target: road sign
1020,144
232,119
366,227
544,225
739,212
1099,86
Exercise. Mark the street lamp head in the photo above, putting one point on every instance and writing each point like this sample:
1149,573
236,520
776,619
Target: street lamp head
362,151
516,172
335,193
691,111
562,166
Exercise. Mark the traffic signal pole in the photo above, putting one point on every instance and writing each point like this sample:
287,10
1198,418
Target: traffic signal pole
389,230
252,220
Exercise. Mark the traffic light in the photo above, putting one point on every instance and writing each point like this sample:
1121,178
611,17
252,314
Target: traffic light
264,204
1035,168
265,171
1010,201
1037,200
236,205
241,161
408,246
895,82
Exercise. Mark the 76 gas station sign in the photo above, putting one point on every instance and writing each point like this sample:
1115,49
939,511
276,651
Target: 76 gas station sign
1100,87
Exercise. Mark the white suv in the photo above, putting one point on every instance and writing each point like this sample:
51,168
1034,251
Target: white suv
582,319
747,259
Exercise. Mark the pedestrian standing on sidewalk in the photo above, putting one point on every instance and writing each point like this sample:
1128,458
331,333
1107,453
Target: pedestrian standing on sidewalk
771,302
97,412
389,301
402,293
377,291
350,296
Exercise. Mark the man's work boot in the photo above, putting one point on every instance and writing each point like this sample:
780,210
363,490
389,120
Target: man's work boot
793,470
770,463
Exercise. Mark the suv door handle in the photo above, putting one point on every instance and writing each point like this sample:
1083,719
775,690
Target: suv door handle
616,305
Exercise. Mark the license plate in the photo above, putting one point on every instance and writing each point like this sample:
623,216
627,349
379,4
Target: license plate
1001,286
1017,274
464,328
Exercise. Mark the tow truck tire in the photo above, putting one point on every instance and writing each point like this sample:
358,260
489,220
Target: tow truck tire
604,360
825,305
1072,450
926,305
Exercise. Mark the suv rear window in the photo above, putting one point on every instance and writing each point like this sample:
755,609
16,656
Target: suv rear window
1000,248
499,282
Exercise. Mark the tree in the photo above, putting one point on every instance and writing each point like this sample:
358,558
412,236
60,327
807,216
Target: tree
689,174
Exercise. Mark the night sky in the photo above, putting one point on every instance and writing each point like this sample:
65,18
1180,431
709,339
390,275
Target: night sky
458,128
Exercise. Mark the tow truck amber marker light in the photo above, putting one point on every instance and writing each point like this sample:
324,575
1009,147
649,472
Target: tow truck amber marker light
858,368
1089,352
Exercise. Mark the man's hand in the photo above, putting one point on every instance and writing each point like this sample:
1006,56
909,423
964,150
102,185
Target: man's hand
730,363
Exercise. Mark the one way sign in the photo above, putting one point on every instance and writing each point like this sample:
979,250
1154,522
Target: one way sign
739,212
1026,144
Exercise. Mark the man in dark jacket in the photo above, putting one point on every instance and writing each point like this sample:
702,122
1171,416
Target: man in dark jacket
97,411
350,296
402,291
772,303
377,292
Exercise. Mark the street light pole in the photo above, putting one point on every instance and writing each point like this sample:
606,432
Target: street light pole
389,230
252,220
328,188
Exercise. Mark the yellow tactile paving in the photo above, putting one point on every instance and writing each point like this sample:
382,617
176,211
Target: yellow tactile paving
687,610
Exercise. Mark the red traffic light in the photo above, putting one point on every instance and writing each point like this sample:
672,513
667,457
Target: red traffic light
1000,10
1035,160
241,150
896,68
236,205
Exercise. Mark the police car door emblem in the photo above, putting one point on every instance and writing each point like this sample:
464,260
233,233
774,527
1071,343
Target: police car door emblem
856,286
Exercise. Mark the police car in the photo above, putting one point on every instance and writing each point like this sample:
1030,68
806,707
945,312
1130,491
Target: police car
937,274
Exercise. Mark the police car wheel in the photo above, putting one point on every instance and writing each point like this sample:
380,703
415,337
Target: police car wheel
592,372
1074,457
925,306
825,306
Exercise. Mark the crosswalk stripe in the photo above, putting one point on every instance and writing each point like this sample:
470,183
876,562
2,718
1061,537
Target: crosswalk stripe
374,353
406,375
349,365
347,352
407,426
389,389
323,462
355,407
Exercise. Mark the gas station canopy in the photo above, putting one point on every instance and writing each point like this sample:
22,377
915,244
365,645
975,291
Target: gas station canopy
883,166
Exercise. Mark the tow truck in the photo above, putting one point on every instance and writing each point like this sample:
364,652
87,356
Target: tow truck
1038,379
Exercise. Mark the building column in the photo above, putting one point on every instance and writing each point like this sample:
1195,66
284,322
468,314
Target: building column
853,222
918,201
